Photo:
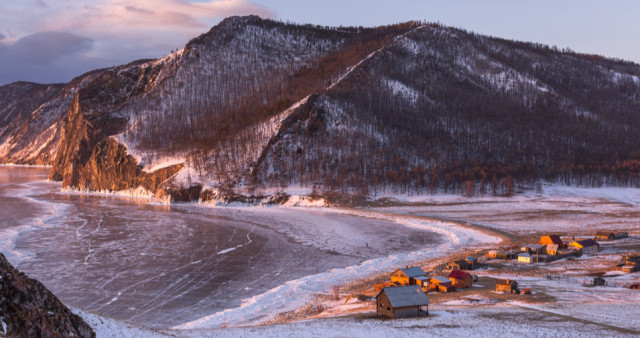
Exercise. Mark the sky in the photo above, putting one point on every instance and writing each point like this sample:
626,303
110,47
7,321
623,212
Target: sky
50,41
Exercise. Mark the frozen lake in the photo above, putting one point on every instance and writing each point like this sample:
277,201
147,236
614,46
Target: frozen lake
165,265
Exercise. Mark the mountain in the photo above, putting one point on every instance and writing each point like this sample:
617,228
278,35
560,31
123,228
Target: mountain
29,309
412,107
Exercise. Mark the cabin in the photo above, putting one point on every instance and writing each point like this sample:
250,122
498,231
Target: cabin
552,249
458,265
406,276
586,246
610,235
441,284
461,279
506,285
402,302
525,258
551,239
630,259
629,268
495,254
534,249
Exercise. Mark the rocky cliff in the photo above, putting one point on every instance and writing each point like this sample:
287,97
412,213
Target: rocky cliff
28,309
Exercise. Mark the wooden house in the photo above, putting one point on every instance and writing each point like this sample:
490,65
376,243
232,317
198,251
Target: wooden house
525,257
402,302
507,285
552,249
423,282
534,249
610,235
458,265
586,246
441,284
551,239
460,279
406,276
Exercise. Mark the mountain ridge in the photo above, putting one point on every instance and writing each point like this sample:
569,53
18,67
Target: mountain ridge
412,108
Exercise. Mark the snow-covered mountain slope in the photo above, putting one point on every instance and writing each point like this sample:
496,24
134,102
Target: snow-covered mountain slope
404,108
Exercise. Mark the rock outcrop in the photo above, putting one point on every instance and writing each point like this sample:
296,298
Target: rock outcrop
29,309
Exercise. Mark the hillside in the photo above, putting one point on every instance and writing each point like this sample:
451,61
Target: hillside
407,108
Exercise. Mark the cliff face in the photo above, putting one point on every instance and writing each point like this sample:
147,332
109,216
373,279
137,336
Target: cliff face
28,309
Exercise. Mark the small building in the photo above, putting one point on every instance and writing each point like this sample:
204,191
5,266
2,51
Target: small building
525,258
629,268
402,302
423,282
461,279
599,281
631,259
473,262
552,249
610,235
458,265
507,285
512,254
496,254
586,246
551,239
533,248
406,276
441,284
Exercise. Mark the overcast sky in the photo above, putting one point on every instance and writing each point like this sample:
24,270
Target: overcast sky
56,40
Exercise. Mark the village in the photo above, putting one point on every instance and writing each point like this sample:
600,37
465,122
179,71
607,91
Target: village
514,274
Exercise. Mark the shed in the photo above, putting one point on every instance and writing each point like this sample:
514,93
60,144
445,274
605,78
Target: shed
605,235
506,285
442,284
461,279
586,245
458,265
629,268
406,276
423,282
599,281
551,239
525,258
402,302
533,248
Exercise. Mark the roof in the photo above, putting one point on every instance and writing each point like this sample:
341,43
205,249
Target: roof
504,282
555,239
586,243
553,247
524,255
534,246
442,279
604,233
405,296
457,274
422,278
472,258
413,271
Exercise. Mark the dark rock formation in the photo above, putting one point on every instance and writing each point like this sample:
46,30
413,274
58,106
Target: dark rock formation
30,310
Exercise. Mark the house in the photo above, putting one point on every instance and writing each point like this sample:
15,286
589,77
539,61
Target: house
630,259
495,254
551,239
507,285
552,249
610,235
533,248
512,254
629,268
461,279
402,302
525,258
442,284
458,265
586,246
406,276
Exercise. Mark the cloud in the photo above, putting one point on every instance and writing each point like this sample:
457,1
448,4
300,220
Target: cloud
45,47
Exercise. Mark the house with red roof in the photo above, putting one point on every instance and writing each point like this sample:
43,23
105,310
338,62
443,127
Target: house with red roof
461,279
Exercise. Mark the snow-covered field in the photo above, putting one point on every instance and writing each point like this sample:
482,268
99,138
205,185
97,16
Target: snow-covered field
559,209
